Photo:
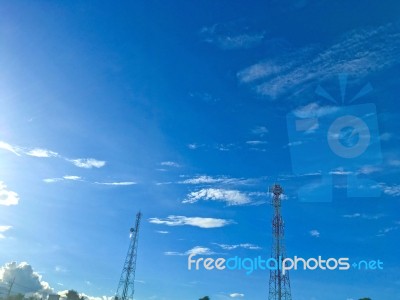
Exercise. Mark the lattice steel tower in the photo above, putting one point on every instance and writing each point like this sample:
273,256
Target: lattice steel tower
279,284
126,286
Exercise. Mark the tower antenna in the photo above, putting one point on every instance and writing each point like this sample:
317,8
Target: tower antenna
126,286
279,284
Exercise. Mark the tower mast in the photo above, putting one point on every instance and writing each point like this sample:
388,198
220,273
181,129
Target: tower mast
279,284
126,286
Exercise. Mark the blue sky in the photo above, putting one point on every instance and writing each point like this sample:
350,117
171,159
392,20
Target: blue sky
188,111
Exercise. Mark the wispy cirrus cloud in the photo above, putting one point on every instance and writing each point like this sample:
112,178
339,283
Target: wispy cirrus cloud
368,169
205,97
118,183
198,250
229,36
203,179
191,221
8,147
162,231
87,163
225,180
170,164
7,197
66,177
256,143
79,178
60,269
230,197
37,152
260,130
244,246
378,48
387,230
363,216
52,180
314,110
391,190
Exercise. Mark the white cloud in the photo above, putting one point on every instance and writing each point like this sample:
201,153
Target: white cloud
164,183
369,170
8,147
162,231
193,146
26,280
205,179
315,233
294,144
377,48
244,246
340,171
60,269
118,183
170,164
201,180
355,215
72,177
4,228
260,130
191,221
78,178
87,163
236,295
314,110
224,147
386,230
231,197
63,295
7,197
66,177
198,250
393,190
228,38
364,216
240,41
260,71
37,152
52,180
256,143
